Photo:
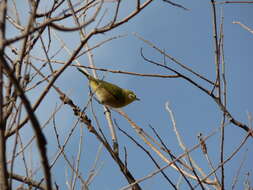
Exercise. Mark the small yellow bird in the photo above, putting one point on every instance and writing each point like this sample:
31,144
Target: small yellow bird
110,94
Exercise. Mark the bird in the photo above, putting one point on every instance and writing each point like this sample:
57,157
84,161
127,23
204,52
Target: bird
110,94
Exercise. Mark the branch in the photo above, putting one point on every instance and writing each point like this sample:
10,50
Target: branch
243,26
3,166
41,140
215,98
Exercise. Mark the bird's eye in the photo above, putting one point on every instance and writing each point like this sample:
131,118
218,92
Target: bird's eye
131,96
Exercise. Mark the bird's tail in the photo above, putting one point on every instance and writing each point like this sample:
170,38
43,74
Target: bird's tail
85,73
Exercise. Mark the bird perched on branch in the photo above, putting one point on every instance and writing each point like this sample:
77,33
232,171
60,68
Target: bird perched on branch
110,94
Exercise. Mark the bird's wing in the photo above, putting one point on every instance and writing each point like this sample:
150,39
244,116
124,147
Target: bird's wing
113,90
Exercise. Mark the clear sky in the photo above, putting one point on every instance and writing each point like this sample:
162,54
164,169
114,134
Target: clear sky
187,36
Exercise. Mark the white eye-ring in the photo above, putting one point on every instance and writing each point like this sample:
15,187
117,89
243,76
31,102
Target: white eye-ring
131,96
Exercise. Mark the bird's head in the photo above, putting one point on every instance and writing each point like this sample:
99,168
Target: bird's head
130,96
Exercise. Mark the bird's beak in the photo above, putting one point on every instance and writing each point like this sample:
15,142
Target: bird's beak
137,99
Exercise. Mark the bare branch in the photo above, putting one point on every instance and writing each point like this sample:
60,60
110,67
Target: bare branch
41,140
244,26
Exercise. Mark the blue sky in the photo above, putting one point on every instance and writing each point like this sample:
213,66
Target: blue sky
187,36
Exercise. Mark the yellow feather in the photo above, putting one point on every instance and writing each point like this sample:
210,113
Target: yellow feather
110,94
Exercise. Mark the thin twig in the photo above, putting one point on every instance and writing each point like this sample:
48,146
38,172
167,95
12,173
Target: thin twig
223,74
3,166
176,5
236,176
243,26
93,171
205,152
194,172
41,140
234,2
215,98
173,59
216,50
229,157
149,155
179,138
166,166
28,181
141,133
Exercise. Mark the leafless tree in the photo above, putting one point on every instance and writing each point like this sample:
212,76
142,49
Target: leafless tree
32,48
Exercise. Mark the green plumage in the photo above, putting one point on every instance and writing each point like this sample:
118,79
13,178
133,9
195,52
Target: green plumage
110,94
